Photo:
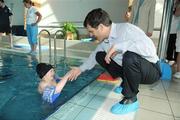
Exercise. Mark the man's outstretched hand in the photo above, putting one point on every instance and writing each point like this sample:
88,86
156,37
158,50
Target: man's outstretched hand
73,73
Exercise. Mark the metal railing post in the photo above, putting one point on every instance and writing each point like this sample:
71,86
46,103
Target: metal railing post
165,28
55,50
49,36
65,49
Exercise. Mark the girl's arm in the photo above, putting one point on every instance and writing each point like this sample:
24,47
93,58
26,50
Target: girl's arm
39,17
61,84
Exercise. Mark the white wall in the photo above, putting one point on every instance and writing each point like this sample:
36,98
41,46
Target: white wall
18,11
158,13
69,10
76,10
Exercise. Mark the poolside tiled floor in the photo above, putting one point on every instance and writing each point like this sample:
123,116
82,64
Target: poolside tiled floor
95,101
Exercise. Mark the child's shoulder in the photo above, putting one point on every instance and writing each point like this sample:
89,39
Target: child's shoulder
42,86
57,78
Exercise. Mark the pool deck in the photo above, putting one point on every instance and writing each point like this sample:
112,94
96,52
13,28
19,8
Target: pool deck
159,102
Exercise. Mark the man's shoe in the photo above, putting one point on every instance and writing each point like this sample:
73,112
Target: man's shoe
118,90
125,106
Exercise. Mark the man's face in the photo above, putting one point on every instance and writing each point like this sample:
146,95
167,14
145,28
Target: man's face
96,32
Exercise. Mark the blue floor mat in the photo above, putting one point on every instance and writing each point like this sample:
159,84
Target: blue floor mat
20,99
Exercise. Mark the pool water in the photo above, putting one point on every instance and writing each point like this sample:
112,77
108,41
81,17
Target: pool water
19,99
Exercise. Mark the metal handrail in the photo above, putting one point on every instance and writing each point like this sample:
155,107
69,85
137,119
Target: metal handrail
55,50
49,36
55,26
165,28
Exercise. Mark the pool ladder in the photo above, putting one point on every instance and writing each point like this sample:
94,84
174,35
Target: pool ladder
50,46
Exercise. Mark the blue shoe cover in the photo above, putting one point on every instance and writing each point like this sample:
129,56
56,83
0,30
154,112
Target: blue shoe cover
124,108
118,90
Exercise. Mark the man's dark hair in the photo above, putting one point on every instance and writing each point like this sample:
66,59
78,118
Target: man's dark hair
2,1
96,17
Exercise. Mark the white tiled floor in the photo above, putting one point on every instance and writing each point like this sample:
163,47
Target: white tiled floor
94,102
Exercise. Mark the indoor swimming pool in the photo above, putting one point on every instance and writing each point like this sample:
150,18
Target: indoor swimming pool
19,99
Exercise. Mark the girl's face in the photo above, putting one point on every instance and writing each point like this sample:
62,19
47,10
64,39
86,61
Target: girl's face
27,5
49,75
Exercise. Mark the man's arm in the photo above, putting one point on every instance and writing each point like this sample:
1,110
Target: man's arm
74,73
151,19
133,11
87,65
10,20
110,54
128,14
10,14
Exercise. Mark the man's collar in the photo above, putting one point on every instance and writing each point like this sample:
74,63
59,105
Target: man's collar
113,33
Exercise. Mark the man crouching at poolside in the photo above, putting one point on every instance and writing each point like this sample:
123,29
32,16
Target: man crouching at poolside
125,51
